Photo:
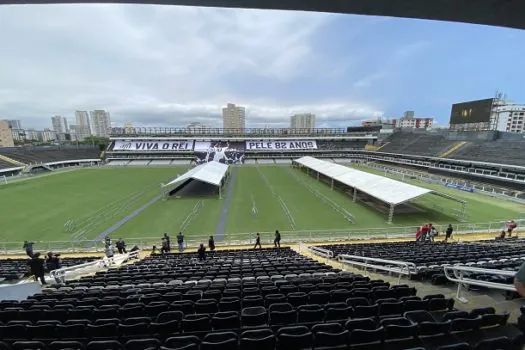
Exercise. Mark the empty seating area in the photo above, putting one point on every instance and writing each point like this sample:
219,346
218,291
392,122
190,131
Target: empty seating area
244,299
430,258
47,155
417,144
15,269
341,145
6,165
499,151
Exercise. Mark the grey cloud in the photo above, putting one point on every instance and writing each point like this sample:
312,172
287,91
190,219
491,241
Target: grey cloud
155,64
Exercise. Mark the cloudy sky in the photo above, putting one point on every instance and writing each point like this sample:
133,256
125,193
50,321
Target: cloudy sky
160,66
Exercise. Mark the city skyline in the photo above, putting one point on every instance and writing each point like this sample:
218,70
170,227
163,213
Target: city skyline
342,68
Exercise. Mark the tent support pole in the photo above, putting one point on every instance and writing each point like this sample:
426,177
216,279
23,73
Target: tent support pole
332,184
317,176
220,192
355,195
391,214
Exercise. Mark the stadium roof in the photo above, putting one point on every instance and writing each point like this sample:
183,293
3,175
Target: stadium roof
383,188
211,173
504,13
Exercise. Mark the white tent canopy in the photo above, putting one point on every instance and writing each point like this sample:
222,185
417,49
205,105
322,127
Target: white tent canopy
383,188
211,173
387,190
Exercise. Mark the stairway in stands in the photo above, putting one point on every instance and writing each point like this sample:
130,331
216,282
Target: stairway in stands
453,149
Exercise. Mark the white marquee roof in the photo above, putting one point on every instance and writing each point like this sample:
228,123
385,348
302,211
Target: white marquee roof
211,173
383,188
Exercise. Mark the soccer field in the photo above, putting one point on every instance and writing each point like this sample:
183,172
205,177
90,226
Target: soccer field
82,204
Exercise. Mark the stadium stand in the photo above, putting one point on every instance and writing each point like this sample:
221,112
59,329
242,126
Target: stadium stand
46,155
430,258
244,299
423,144
341,145
499,151
5,165
15,269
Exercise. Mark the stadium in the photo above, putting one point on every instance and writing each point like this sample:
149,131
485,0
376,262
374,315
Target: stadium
347,204
368,237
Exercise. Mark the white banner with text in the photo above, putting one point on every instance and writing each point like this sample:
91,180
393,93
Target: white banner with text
157,146
281,145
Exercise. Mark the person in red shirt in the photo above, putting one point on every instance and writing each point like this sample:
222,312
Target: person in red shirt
511,225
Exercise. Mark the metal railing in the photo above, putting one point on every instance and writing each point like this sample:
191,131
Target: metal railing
60,275
325,253
288,237
456,273
402,268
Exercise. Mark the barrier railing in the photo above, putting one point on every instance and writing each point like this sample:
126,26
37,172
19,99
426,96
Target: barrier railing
325,253
60,275
310,236
402,268
456,273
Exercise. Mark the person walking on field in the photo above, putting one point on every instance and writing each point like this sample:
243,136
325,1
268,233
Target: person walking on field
277,240
257,241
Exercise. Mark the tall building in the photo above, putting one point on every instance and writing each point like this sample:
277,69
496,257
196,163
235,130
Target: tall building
6,136
83,128
100,123
302,121
59,124
510,117
234,117
47,135
409,121
128,128
197,128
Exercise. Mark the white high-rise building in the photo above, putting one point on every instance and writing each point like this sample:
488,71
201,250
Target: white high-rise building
83,128
59,124
234,117
100,123
510,117
302,121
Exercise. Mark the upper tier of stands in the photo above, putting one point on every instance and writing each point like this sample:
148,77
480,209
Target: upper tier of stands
499,151
430,258
6,165
46,155
256,299
340,145
417,144
14,269
426,144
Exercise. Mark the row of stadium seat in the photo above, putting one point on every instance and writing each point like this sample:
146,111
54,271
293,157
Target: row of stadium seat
261,299
430,258
39,155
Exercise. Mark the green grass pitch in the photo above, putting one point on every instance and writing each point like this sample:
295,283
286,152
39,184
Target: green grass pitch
95,199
